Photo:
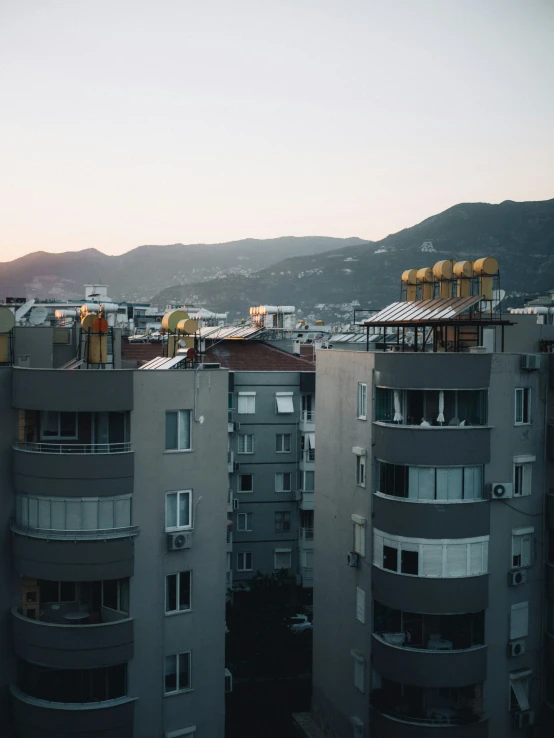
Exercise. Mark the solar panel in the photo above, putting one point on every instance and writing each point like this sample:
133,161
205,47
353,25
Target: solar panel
422,311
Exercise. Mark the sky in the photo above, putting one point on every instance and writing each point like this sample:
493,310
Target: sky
198,121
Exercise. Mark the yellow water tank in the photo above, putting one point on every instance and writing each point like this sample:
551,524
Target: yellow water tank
486,267
426,279
409,277
463,270
187,326
171,319
443,269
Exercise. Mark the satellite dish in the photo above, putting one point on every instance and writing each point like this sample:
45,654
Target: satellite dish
38,315
7,320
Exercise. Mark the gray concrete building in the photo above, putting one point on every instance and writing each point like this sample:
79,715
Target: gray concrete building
434,532
113,554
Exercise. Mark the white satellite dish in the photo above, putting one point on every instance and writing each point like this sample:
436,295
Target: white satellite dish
491,305
38,315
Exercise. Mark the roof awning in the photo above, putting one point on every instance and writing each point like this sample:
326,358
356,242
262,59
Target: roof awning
284,402
311,440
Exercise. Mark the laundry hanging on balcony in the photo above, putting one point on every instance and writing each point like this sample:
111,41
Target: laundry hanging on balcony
440,416
397,407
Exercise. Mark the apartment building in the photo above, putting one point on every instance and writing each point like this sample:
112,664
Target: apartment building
112,572
434,523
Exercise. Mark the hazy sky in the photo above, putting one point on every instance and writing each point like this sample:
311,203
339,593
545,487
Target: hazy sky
124,122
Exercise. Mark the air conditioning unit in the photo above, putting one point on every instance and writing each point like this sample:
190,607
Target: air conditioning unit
516,648
236,466
530,361
352,558
515,578
179,541
228,681
523,719
500,490
235,503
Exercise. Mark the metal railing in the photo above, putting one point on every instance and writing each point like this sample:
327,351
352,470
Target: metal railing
76,535
47,447
308,456
307,534
307,416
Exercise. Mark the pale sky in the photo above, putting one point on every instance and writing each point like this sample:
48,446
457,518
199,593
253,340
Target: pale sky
125,122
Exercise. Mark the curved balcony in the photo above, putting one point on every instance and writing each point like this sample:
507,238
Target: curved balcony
67,645
432,445
69,470
389,726
423,594
86,390
429,668
36,718
420,519
74,556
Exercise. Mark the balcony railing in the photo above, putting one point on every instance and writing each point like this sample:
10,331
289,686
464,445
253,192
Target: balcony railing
308,455
47,447
307,416
99,533
307,534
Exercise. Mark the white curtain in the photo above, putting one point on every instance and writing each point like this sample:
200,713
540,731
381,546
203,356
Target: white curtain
440,416
397,407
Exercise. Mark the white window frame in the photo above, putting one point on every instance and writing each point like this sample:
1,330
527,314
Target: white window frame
284,403
523,536
439,548
359,536
520,682
246,518
244,491
121,584
177,657
178,592
58,437
362,401
179,440
244,440
525,398
32,507
523,475
359,670
277,551
280,487
243,555
361,469
246,403
281,437
519,612
177,494
360,604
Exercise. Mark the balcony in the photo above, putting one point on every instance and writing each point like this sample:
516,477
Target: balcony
396,726
306,538
306,500
307,421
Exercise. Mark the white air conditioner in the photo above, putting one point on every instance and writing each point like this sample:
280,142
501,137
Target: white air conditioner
179,541
530,361
515,578
516,648
228,681
523,719
236,503
500,490
352,558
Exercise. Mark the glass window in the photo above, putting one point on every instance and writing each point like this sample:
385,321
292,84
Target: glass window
76,514
522,479
283,481
522,542
282,521
115,594
360,471
447,484
178,592
282,443
522,406
177,430
245,444
177,672
431,407
246,403
284,403
178,510
244,561
58,425
246,483
362,401
308,481
359,536
244,522
283,558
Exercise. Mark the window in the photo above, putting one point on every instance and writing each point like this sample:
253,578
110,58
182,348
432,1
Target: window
178,592
522,406
359,534
521,547
523,469
115,594
282,443
283,558
362,401
447,484
359,668
519,620
57,591
430,558
246,483
73,514
244,561
178,510
178,673
244,522
453,408
245,444
246,403
177,430
360,605
283,482
284,403
360,471
282,522
57,425
520,683
306,479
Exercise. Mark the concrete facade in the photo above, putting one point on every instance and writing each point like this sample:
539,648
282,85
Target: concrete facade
355,666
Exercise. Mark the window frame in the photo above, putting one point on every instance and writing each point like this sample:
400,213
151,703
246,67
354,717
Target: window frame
119,596
246,403
525,405
283,489
286,400
283,436
178,493
239,484
362,401
177,657
359,670
525,483
360,605
244,554
359,535
178,574
361,470
284,526
179,448
405,470
523,534
245,436
59,437
277,551
247,516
